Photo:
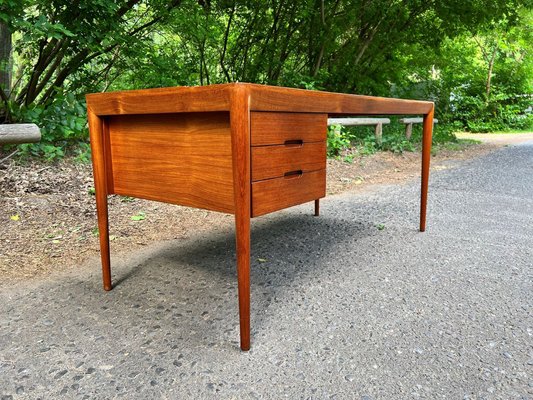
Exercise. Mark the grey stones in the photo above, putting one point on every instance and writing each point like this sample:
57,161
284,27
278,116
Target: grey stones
60,374
366,316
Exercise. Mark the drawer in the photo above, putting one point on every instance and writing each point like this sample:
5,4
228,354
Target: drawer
275,194
274,161
279,127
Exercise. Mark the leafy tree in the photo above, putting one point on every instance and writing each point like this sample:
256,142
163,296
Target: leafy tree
58,39
472,57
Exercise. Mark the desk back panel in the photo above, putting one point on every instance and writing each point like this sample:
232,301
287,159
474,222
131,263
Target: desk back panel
181,158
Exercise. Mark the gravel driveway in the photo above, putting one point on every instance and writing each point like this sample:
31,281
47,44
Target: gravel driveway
355,304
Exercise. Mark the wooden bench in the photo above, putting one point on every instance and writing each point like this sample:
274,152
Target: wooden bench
377,122
19,133
409,124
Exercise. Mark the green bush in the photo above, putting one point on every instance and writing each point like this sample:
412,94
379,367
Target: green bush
502,113
63,125
362,140
337,140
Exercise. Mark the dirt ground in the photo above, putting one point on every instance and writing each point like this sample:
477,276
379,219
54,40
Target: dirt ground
48,217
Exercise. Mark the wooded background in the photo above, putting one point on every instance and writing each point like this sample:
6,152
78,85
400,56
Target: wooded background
473,58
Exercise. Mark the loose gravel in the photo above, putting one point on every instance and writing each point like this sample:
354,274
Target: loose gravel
355,304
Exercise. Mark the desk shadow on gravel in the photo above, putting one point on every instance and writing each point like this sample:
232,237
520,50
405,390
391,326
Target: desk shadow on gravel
201,270
170,303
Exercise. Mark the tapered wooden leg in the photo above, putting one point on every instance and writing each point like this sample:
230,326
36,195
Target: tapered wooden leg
103,231
242,231
317,207
240,143
100,186
426,155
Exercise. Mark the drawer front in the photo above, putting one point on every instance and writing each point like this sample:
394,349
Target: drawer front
279,127
275,194
275,161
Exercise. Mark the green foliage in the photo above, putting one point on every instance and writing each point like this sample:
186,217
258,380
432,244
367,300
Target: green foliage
337,140
345,142
63,126
140,216
473,58
503,112
393,139
481,78
73,45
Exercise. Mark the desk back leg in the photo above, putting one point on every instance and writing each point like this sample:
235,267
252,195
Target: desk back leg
317,207
426,154
100,185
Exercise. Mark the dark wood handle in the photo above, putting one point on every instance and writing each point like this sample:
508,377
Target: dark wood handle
294,143
293,174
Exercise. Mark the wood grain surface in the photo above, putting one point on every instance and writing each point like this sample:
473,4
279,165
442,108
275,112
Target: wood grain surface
274,161
427,133
176,158
262,98
162,100
273,98
277,128
100,172
276,194
240,145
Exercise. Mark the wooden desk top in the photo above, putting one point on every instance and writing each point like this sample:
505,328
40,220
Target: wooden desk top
260,97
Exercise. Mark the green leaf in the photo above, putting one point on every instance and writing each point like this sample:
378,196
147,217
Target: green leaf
139,217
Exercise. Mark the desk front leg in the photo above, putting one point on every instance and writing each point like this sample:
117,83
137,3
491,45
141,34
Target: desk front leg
427,132
96,130
240,143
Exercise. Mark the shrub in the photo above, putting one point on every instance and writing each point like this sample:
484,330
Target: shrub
362,140
63,125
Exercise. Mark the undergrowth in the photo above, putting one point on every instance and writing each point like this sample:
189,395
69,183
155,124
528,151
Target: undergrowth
346,142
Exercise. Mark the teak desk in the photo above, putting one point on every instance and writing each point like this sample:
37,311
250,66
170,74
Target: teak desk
238,148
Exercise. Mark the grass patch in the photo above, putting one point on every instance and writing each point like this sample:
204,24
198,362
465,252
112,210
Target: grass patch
507,132
460,144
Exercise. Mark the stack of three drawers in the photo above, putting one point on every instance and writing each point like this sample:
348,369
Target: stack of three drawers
288,159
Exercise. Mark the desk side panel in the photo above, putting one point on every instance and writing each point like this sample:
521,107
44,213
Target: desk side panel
182,158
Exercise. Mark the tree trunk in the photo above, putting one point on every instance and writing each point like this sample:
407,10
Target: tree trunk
5,59
489,74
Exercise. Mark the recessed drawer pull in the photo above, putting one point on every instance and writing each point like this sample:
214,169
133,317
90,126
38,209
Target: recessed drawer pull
293,174
294,143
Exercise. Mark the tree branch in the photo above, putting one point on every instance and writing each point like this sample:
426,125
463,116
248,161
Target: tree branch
224,49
